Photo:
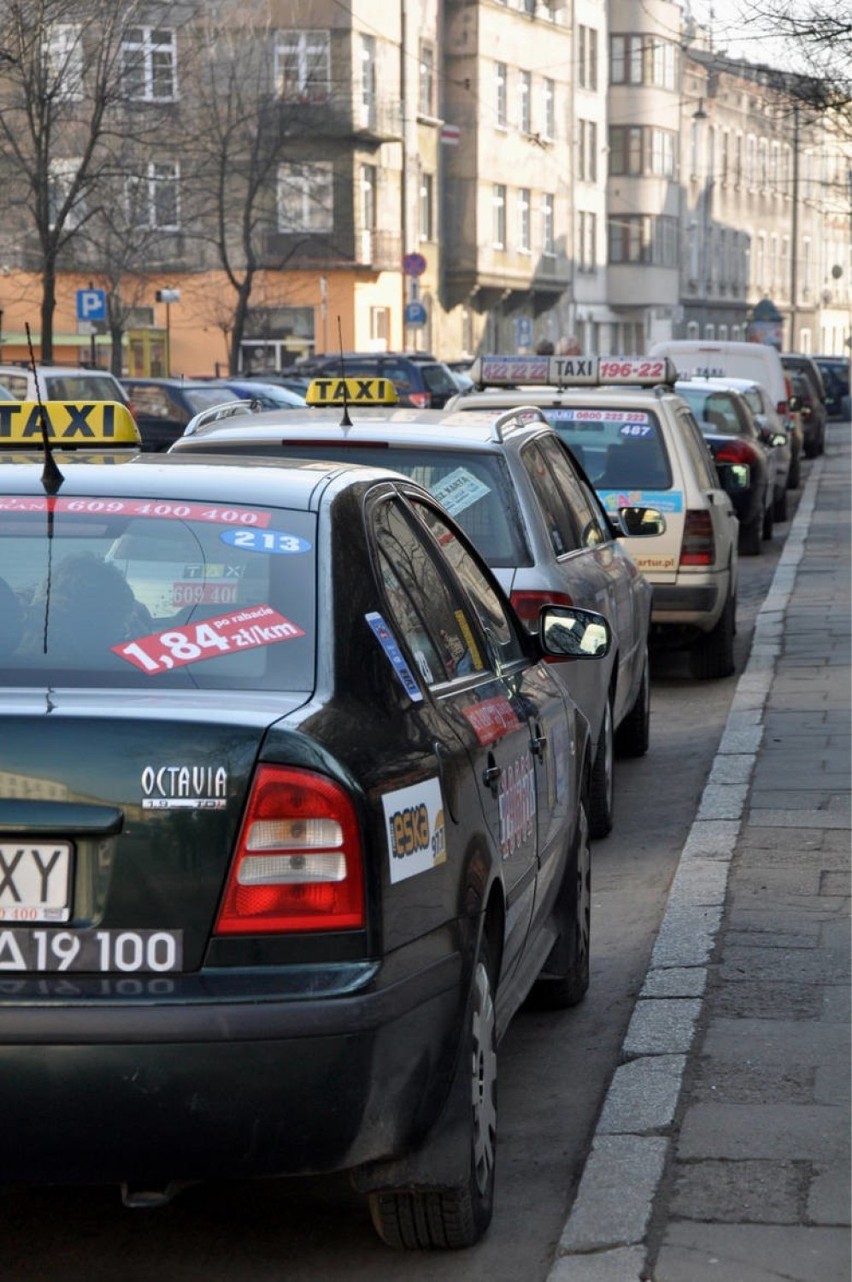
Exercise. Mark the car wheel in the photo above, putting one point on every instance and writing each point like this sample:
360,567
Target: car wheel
456,1217
795,477
602,784
712,655
750,537
633,735
779,508
769,520
564,979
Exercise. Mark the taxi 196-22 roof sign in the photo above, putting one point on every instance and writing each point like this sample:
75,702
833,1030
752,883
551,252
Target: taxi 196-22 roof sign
572,371
351,391
70,424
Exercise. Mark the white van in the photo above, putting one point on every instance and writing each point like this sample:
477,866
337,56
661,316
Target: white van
708,359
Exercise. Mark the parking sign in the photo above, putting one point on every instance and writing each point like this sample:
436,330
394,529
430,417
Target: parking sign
91,304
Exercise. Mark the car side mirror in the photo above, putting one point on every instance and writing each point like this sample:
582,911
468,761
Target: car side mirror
778,439
572,633
794,403
640,522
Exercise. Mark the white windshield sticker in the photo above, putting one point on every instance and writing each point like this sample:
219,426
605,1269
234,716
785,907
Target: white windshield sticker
458,490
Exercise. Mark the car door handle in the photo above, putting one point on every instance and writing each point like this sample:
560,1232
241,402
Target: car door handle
538,745
491,775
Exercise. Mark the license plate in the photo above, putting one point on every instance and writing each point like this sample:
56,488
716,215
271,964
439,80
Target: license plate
127,952
35,881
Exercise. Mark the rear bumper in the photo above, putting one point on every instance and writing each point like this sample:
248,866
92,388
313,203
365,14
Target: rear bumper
688,605
151,1094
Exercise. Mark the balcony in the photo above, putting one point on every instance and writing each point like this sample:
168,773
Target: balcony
376,251
340,114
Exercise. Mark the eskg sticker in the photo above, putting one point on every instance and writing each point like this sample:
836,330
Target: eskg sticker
414,820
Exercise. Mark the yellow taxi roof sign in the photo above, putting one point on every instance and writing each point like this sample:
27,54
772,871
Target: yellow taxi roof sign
70,424
351,391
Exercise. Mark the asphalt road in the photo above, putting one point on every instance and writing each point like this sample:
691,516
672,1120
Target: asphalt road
554,1071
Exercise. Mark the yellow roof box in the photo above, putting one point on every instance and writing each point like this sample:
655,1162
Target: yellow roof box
351,391
70,425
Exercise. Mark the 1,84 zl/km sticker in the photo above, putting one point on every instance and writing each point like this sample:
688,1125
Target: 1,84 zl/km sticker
96,951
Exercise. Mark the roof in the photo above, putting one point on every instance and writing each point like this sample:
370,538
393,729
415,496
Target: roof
462,429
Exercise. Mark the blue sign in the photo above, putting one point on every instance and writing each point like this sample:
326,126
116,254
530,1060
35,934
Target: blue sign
523,331
415,314
414,264
91,305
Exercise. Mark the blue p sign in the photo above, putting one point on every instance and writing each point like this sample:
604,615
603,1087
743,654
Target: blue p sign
91,304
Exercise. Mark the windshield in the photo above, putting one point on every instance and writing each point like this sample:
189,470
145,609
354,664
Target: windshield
80,387
617,447
123,591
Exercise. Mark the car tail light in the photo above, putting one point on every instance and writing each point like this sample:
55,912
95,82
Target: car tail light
420,400
737,452
698,546
299,863
528,604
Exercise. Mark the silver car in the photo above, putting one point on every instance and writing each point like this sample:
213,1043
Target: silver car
513,487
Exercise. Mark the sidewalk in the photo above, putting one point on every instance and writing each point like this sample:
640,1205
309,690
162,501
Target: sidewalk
723,1147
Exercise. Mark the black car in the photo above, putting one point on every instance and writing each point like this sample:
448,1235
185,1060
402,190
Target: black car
293,815
807,385
420,380
163,406
743,456
835,377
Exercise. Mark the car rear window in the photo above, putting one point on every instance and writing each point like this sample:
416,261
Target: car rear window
618,448
475,488
122,591
439,379
714,410
15,383
82,387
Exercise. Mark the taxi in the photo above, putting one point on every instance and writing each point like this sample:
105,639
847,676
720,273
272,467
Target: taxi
293,815
512,486
107,427
639,443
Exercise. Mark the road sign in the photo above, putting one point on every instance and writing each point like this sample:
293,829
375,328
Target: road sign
450,135
415,314
414,264
91,305
523,331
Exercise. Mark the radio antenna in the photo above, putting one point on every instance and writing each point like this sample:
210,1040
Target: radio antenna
346,421
51,477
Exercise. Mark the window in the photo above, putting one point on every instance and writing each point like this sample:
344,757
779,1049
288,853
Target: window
500,98
643,60
305,197
643,238
593,59
380,325
149,64
426,90
637,149
64,60
62,176
548,245
427,206
524,231
368,80
587,515
558,519
498,206
549,91
582,55
738,160
724,162
368,197
153,198
587,58
587,240
303,66
587,160
525,102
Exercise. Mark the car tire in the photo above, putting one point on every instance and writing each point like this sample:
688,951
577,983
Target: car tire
564,980
712,656
633,735
779,507
769,520
456,1217
602,786
795,478
751,537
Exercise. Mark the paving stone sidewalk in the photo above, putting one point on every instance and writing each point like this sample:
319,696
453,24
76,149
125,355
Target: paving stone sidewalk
723,1147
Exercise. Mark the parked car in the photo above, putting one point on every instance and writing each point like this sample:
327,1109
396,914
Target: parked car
164,406
835,377
293,816
61,383
807,385
639,443
735,442
510,484
297,383
269,396
420,380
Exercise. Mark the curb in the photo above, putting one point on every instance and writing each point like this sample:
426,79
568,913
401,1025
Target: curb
604,1237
